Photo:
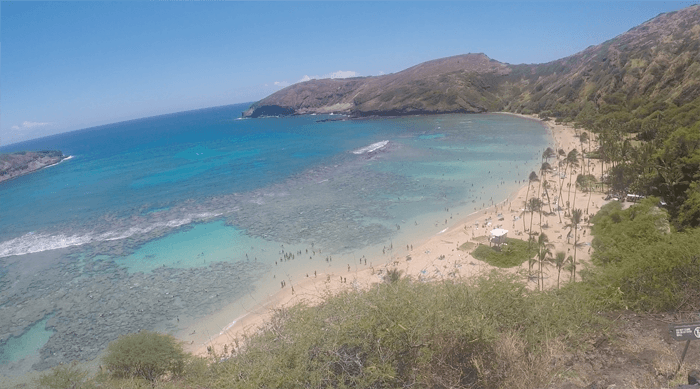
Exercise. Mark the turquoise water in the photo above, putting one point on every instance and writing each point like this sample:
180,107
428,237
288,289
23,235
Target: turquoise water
17,348
196,209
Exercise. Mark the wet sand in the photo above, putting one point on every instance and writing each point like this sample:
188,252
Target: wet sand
438,256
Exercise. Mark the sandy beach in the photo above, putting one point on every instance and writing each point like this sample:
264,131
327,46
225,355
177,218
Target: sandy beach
439,256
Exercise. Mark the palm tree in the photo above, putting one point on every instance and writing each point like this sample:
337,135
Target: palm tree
583,138
544,169
559,261
570,261
535,205
546,187
543,252
571,161
548,153
565,162
532,177
575,221
590,181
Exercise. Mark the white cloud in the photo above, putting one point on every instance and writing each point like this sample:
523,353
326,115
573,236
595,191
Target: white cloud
281,83
26,125
338,74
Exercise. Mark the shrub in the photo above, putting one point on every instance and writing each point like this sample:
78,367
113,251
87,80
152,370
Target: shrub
65,376
147,355
514,253
643,261
410,334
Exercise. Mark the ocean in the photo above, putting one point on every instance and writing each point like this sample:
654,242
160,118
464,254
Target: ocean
158,222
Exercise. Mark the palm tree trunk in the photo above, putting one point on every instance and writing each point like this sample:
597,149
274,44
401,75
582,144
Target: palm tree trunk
573,205
525,211
590,194
568,196
575,244
558,276
561,187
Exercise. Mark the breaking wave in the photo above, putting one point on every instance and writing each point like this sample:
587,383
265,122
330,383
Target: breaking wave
37,242
371,148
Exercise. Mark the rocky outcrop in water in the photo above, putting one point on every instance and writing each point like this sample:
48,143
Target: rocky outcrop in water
23,162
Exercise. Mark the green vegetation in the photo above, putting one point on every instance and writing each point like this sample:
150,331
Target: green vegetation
514,253
467,246
146,355
642,262
66,376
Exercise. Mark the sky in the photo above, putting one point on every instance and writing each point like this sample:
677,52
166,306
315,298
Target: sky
71,65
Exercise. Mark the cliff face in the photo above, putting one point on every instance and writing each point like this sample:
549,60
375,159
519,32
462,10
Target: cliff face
16,164
657,60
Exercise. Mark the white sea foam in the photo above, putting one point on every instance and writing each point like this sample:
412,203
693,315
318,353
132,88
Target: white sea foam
37,242
372,147
34,243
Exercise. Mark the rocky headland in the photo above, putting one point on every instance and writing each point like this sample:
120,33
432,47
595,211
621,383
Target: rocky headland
23,162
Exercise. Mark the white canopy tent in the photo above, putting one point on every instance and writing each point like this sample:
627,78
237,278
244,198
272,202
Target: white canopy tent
499,236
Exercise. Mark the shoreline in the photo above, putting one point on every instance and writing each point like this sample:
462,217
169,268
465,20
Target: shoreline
436,256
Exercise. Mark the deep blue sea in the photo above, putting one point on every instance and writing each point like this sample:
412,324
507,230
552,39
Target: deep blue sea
157,222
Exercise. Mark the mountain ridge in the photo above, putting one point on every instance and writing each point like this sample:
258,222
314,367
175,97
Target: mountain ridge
659,58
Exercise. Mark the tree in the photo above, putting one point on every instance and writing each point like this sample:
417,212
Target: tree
586,183
543,253
575,221
546,187
571,161
544,169
535,205
65,376
548,153
145,354
559,261
565,162
532,177
583,138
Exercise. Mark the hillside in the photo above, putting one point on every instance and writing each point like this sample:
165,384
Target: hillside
463,83
24,162
658,60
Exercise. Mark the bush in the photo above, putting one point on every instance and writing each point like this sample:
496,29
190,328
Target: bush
514,253
147,355
65,376
410,334
650,267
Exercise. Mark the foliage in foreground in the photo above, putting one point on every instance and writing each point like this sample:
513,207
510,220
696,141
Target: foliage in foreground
514,253
147,355
642,262
66,376
407,333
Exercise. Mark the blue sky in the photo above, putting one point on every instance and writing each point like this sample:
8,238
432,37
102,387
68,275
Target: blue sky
72,65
